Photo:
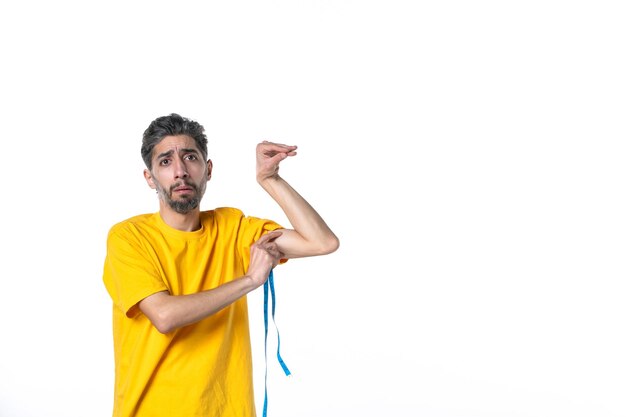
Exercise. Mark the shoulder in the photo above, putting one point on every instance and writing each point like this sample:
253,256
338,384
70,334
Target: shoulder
228,214
228,211
234,217
132,224
221,217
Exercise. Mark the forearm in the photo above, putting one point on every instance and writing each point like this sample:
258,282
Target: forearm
170,312
316,237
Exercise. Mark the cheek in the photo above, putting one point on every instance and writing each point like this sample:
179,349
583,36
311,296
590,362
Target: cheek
160,175
198,172
157,184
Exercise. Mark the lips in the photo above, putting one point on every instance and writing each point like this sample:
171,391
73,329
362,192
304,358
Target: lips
183,188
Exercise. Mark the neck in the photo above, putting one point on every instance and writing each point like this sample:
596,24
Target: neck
184,222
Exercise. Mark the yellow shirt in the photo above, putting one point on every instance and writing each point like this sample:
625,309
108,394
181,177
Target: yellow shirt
204,369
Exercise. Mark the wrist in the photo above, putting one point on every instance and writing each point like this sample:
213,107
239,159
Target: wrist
268,182
250,283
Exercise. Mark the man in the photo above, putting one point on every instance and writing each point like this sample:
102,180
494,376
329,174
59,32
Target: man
178,279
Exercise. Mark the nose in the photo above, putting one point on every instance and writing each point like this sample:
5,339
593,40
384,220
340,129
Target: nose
180,170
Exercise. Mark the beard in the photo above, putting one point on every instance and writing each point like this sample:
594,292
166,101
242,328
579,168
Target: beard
185,203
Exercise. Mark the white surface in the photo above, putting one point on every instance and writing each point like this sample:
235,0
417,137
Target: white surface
470,156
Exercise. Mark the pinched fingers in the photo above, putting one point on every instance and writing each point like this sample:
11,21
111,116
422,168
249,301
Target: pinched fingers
271,149
268,237
264,256
269,155
268,244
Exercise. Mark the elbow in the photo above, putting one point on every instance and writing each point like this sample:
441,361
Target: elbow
330,245
161,312
163,323
163,329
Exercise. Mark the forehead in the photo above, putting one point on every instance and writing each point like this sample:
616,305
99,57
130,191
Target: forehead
175,143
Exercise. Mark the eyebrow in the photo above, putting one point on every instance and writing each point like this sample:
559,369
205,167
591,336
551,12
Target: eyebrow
171,151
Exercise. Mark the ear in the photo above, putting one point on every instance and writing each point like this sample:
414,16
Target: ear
209,169
148,176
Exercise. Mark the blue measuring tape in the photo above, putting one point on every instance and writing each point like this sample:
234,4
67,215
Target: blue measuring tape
270,284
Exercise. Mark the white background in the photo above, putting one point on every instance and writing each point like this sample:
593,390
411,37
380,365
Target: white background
469,155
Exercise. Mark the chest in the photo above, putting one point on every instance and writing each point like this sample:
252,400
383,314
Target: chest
191,266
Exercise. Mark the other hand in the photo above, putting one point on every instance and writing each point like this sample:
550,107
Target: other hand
268,157
264,256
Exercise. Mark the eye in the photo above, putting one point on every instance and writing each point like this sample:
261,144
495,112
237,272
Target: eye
164,162
191,157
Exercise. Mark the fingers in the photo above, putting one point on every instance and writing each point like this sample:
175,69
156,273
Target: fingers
264,256
271,149
268,237
267,243
275,254
278,145
269,155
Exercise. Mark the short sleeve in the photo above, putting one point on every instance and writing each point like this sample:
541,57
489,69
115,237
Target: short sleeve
251,229
130,275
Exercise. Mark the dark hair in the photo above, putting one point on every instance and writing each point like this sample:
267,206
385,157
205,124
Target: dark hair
172,125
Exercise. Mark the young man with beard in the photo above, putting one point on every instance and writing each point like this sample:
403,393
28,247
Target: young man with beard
178,279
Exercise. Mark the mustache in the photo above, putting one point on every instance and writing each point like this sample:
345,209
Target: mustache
183,183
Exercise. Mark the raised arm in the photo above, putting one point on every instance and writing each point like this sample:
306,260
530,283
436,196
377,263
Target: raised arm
310,236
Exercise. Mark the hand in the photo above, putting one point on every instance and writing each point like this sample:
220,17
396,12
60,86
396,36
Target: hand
268,156
264,256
